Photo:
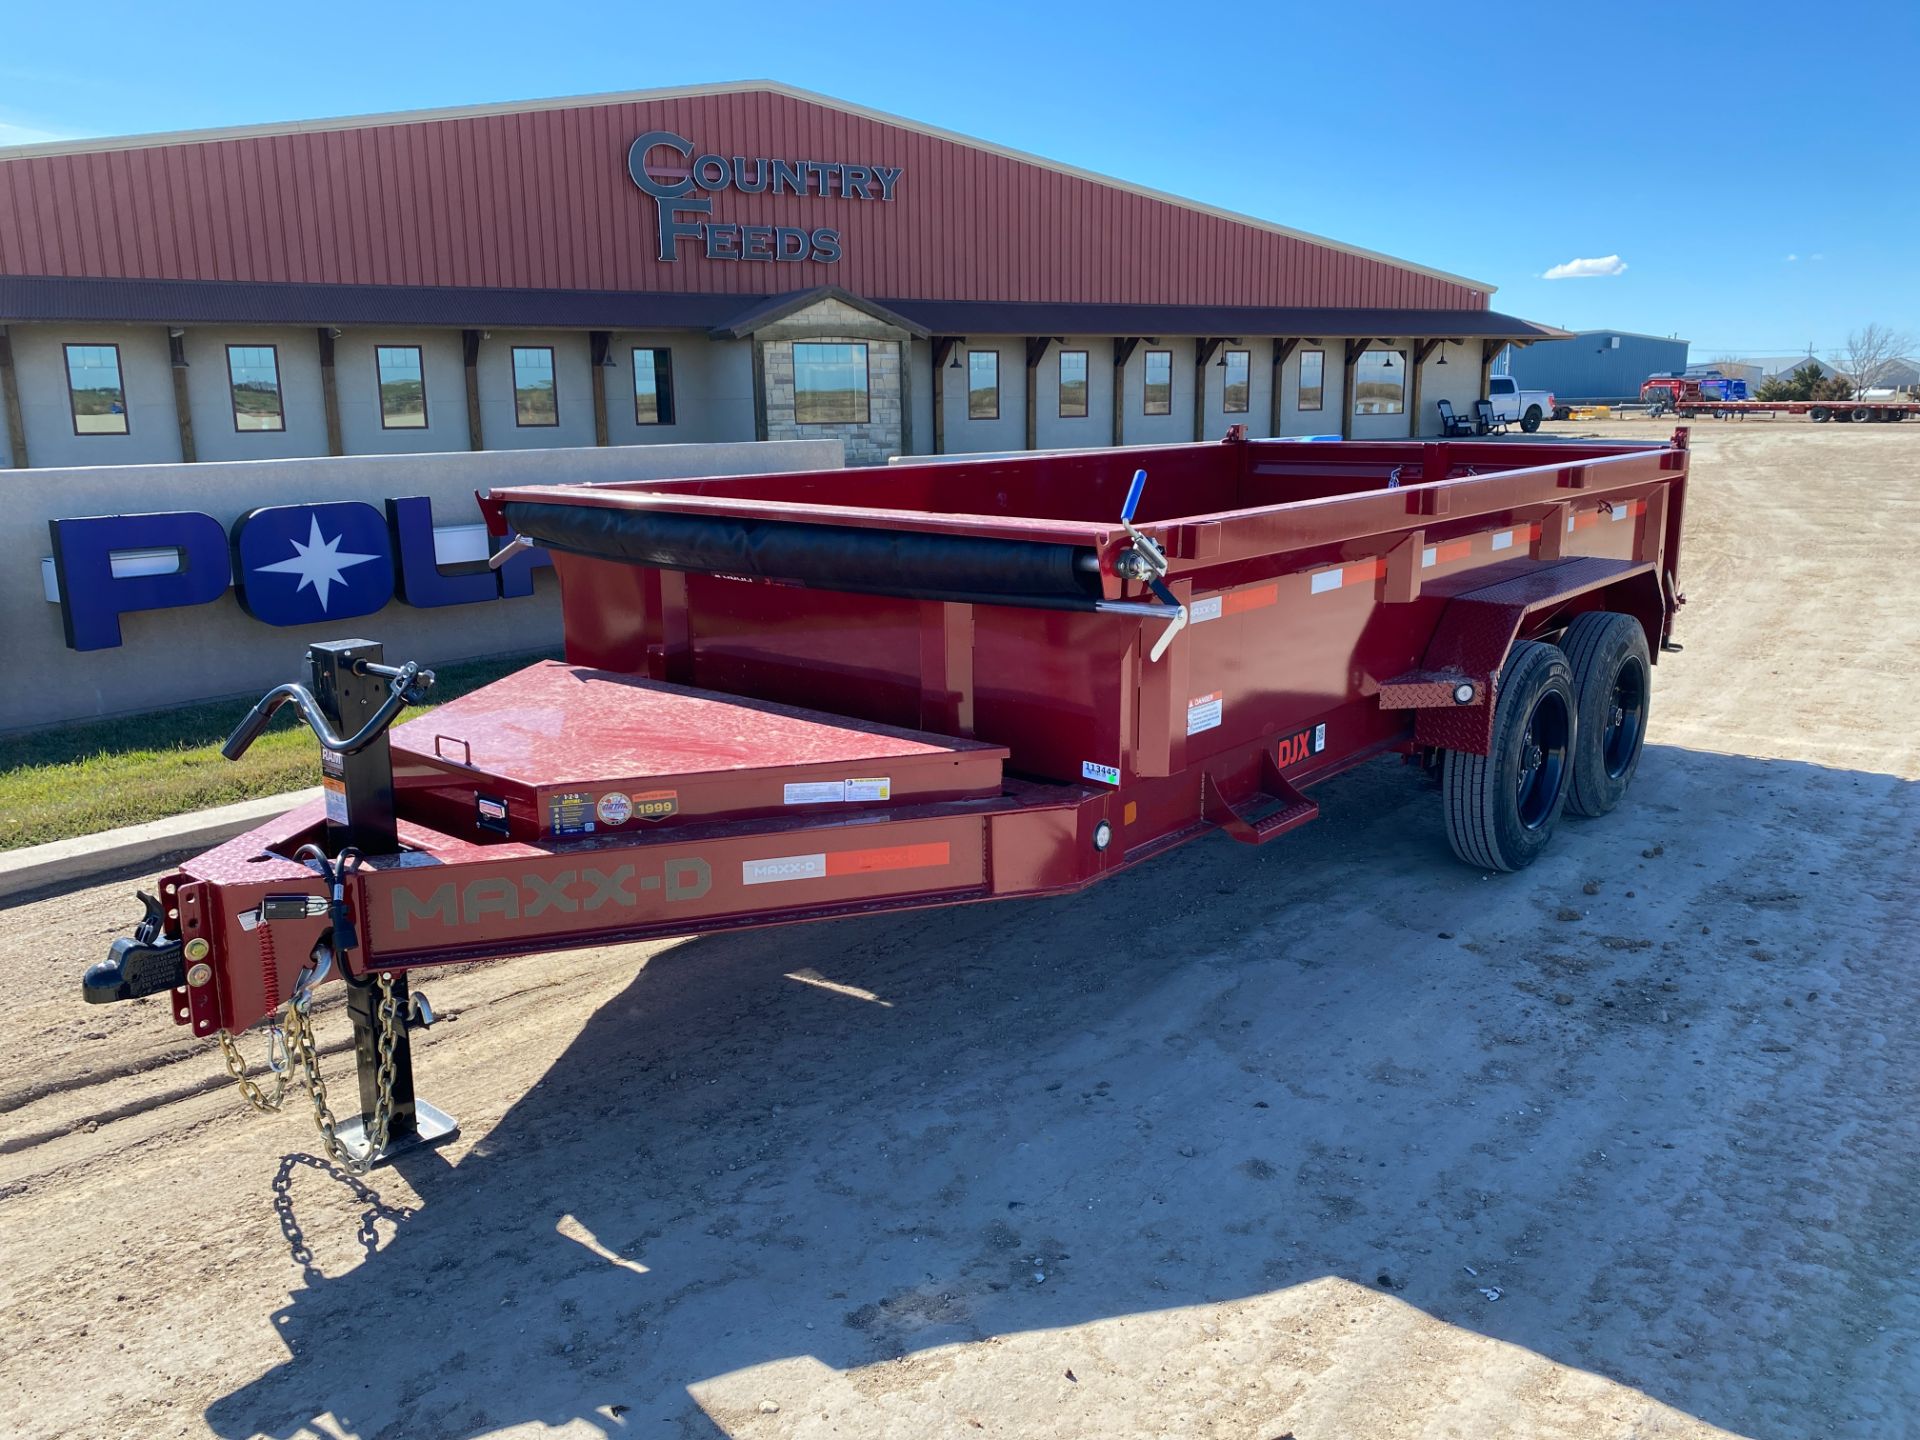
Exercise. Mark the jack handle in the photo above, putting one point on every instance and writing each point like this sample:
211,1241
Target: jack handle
407,685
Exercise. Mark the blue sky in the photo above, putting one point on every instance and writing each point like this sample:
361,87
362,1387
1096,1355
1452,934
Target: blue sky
1751,166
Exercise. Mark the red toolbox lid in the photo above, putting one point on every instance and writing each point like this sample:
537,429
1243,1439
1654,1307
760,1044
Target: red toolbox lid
559,750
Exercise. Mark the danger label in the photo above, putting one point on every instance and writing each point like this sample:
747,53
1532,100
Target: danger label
1204,713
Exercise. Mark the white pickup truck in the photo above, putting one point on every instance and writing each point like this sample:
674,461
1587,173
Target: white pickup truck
1525,408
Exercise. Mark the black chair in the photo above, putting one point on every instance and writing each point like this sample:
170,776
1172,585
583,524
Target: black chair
1450,423
1485,422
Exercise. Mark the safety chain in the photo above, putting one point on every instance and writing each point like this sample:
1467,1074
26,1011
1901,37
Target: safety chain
291,1046
276,1061
309,1060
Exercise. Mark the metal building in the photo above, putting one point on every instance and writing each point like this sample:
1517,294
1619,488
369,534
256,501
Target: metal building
1597,367
717,262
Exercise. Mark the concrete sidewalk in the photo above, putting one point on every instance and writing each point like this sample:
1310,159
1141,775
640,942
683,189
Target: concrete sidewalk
77,861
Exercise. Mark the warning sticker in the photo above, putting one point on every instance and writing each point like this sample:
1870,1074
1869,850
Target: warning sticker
336,793
614,808
570,814
817,792
1204,713
867,791
1104,774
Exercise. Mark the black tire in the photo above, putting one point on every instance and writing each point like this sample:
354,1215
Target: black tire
1613,685
1501,807
1530,421
1861,414
1819,414
1562,412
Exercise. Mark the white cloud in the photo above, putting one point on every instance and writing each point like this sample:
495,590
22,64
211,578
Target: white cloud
11,134
1586,269
1792,257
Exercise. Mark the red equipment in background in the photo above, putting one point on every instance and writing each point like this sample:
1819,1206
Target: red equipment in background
797,696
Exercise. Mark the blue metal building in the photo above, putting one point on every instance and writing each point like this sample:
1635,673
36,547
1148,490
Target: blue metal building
1597,367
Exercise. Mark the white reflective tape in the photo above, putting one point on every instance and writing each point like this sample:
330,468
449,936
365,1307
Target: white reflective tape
1429,557
784,867
1569,523
1503,539
1202,611
1619,512
1326,580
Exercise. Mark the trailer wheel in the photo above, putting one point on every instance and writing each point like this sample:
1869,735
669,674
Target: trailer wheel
1530,421
1861,414
1501,807
1612,684
1819,414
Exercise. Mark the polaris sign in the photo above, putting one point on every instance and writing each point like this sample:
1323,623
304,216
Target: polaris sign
680,216
287,565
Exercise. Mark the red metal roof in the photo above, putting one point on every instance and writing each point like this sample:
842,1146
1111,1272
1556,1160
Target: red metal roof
539,198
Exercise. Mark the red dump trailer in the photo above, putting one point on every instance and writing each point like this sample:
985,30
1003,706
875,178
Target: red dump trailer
793,697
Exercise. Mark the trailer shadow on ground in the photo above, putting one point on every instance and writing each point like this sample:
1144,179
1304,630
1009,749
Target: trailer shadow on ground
1644,1112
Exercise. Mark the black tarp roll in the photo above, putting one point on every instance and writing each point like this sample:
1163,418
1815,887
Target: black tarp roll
912,563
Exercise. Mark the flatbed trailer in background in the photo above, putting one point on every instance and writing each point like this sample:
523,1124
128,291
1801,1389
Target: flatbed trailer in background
1819,411
802,696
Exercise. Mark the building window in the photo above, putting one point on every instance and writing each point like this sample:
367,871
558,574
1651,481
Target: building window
403,387
534,399
1073,384
1312,380
653,387
983,384
1379,384
254,374
93,389
1159,386
1237,385
829,383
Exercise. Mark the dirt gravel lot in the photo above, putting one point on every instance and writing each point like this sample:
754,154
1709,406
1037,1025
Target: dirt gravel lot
1241,1144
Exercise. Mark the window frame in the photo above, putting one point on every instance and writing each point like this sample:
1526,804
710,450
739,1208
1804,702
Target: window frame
380,387
663,400
553,374
1319,385
1245,407
119,375
279,394
1400,405
1086,386
1146,382
866,384
994,356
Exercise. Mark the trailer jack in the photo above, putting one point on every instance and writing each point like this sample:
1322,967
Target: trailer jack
349,700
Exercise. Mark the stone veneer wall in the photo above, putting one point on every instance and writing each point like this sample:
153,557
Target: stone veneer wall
834,322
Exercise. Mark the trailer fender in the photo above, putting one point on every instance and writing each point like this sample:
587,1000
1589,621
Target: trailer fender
1454,690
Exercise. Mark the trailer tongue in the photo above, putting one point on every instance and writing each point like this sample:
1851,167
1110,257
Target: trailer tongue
803,696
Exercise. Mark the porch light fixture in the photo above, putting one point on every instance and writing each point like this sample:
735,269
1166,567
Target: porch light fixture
1443,353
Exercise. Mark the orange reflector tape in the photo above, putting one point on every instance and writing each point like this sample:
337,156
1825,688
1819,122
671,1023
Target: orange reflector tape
1131,810
1254,597
896,857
